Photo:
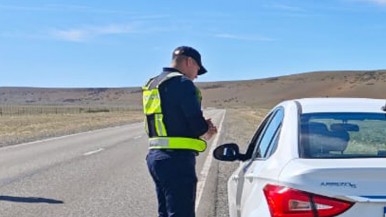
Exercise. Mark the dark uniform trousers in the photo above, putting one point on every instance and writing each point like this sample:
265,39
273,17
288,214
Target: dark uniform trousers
174,175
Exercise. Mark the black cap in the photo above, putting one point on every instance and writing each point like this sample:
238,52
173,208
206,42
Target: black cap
190,52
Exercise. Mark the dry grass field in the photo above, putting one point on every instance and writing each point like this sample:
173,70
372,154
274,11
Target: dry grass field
241,124
268,92
25,128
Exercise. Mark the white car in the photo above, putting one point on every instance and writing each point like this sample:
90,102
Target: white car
315,157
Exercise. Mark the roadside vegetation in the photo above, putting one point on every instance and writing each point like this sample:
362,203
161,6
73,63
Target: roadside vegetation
25,124
241,124
16,129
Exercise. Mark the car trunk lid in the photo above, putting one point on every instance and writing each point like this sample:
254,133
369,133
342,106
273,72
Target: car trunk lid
359,180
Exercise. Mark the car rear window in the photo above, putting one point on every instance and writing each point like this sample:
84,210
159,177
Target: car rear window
342,135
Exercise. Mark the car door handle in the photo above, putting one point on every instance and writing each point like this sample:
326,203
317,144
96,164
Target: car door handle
235,178
249,177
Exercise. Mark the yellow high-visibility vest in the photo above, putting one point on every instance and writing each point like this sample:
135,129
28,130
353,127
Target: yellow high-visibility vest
152,107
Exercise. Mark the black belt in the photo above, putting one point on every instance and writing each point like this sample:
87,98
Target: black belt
179,151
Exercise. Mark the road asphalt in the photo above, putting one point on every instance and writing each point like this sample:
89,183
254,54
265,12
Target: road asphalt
98,173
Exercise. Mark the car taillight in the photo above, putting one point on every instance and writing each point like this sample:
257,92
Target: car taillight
288,202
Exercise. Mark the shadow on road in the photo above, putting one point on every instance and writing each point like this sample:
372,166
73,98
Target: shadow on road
29,199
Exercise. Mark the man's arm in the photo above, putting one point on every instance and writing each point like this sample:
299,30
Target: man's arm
192,109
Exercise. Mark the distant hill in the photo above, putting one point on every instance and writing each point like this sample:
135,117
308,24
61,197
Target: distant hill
269,91
128,97
252,93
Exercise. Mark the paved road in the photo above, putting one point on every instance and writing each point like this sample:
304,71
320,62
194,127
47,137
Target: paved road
98,173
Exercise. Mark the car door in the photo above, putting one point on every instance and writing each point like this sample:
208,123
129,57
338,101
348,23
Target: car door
236,181
264,145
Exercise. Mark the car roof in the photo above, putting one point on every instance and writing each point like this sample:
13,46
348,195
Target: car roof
327,104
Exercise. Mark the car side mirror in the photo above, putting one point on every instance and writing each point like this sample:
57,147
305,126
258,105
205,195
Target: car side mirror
227,152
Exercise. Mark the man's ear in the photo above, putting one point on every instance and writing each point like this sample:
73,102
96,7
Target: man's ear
189,61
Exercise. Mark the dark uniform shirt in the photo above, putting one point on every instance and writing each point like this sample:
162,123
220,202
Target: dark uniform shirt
181,109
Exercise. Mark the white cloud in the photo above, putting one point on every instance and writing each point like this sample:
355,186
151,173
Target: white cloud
58,7
70,35
287,8
21,8
83,34
243,37
380,2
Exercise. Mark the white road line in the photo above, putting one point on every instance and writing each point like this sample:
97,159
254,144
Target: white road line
137,137
208,161
93,152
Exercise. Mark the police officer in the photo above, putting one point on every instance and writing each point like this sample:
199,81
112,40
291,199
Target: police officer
177,131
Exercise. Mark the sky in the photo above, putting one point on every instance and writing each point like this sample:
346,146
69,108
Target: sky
122,43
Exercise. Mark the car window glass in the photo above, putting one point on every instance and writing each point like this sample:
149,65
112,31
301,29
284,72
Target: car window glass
343,135
268,135
252,143
274,143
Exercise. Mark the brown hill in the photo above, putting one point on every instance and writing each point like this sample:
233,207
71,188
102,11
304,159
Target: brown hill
251,93
126,97
269,91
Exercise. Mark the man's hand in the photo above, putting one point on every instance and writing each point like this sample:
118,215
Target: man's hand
211,130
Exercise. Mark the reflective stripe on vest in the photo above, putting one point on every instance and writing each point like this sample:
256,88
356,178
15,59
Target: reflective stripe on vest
152,106
177,143
151,101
